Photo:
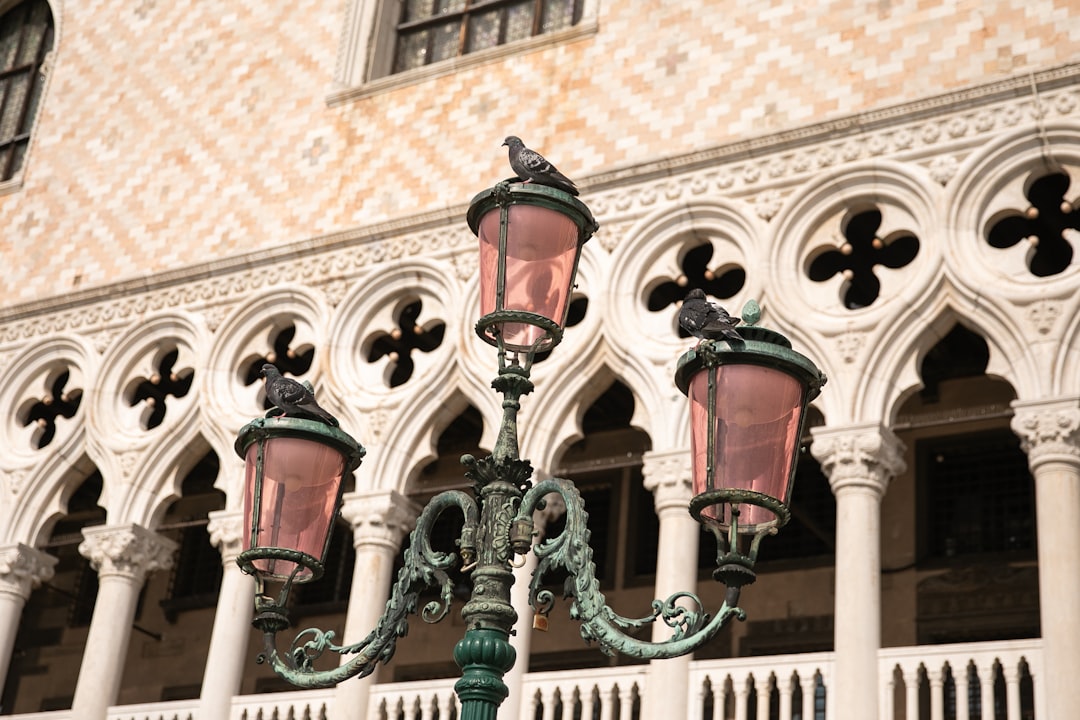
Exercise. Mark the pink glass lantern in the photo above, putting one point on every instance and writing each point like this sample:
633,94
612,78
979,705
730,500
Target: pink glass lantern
292,488
747,412
530,242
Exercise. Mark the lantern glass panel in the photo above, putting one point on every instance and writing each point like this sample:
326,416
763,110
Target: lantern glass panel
541,253
299,497
758,416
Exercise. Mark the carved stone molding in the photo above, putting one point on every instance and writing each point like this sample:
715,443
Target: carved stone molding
128,551
23,568
226,530
866,456
1048,431
760,167
380,517
668,477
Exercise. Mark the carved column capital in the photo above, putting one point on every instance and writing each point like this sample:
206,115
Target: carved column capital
226,530
23,568
669,476
866,456
379,517
1048,430
128,551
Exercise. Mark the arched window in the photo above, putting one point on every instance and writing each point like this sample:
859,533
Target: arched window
26,36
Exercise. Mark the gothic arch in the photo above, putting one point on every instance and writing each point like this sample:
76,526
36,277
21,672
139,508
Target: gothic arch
29,379
993,180
651,254
900,351
563,406
811,222
160,471
245,335
371,308
403,438
47,491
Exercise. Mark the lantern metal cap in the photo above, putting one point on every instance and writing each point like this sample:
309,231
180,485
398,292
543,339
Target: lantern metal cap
265,428
760,346
509,192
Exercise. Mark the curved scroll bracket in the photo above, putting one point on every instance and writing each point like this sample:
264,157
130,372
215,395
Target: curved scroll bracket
424,567
683,611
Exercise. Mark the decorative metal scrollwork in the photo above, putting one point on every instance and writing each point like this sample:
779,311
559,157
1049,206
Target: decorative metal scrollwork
424,567
692,626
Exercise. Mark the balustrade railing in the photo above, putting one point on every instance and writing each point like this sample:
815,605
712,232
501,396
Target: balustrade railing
970,681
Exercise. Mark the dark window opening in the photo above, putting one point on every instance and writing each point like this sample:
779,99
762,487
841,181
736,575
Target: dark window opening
723,284
287,359
26,37
59,402
978,496
154,392
1045,225
862,250
195,579
960,354
398,344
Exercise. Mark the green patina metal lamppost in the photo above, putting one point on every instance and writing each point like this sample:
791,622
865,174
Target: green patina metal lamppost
748,407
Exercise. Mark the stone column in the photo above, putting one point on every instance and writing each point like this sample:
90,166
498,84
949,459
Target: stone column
859,462
123,556
22,568
1050,435
667,476
227,654
380,519
516,704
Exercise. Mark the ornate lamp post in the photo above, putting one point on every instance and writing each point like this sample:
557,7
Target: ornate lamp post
748,404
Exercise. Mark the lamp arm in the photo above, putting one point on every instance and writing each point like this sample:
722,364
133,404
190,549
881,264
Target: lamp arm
692,626
424,567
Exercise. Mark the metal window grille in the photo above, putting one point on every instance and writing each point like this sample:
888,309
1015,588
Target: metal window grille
978,495
434,30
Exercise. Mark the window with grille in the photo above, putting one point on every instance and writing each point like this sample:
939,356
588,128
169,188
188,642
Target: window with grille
978,495
26,36
434,30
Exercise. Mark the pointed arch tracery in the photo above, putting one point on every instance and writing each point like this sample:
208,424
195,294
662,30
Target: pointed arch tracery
653,257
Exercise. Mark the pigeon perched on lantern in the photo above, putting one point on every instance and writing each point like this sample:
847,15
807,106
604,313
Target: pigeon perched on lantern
531,166
706,320
292,398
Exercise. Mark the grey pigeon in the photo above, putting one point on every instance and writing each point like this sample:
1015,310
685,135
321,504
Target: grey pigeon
531,165
707,320
291,397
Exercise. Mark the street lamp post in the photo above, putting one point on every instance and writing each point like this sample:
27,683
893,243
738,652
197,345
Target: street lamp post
748,402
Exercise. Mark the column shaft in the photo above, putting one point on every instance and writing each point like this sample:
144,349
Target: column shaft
1050,434
859,462
122,556
667,475
22,568
380,520
226,656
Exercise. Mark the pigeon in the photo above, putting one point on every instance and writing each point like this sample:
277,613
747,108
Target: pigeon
291,397
707,320
531,165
